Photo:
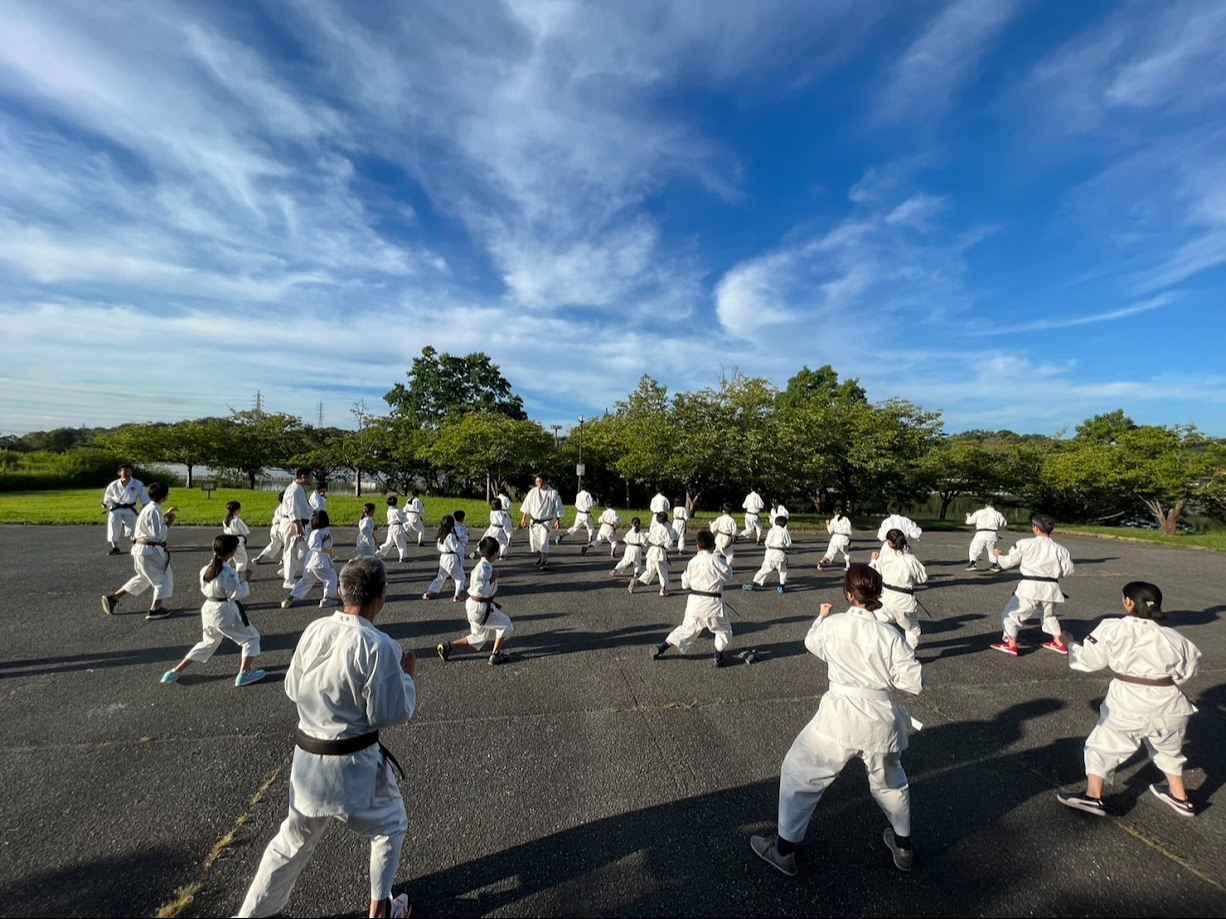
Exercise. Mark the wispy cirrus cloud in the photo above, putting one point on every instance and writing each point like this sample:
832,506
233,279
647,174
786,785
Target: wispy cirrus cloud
1067,322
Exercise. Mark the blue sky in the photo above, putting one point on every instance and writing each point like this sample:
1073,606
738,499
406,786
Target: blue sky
1014,212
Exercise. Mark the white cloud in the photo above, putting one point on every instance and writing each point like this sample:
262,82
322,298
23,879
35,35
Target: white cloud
1045,325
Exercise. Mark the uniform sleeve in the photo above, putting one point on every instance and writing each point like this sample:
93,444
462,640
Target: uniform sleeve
815,642
970,518
1092,654
391,695
875,564
906,674
1011,560
916,532
919,574
1189,657
723,570
1066,563
685,578
787,539
881,531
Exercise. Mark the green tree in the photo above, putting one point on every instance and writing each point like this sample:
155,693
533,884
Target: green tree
253,441
489,446
644,435
443,385
967,464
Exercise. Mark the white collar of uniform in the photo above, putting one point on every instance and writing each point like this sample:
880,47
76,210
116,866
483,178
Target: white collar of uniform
861,611
357,622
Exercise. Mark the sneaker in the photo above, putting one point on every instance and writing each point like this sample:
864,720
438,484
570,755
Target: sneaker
455,599
779,589
114,550
972,567
630,586
443,650
664,593
904,859
249,677
325,603
287,603
1007,647
659,650
401,907
995,568
1162,792
583,550
720,660
821,563
748,588
425,596
158,614
1082,802
170,676
108,604
764,848
498,657
1058,646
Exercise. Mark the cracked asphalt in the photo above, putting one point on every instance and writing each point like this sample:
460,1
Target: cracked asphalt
583,778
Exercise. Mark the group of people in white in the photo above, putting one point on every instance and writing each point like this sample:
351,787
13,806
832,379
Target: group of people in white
349,680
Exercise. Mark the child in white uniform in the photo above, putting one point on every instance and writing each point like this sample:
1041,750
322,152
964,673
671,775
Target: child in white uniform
583,519
396,536
633,556
485,616
866,661
1043,563
659,541
681,520
839,528
150,557
900,573
318,565
725,530
415,520
233,525
609,522
778,541
1144,704
988,522
909,528
450,561
499,528
223,616
366,547
753,505
461,532
704,577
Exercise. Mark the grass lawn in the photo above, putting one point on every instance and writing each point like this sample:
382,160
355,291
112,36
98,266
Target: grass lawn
1215,540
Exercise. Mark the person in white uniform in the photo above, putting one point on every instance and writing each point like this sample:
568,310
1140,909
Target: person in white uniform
319,497
900,573
461,531
450,561
906,525
681,522
866,661
583,519
1144,705
366,546
349,681
609,522
275,547
839,528
122,499
1043,563
486,618
539,512
705,577
414,519
233,525
753,505
296,519
778,541
725,531
499,528
988,522
505,500
223,616
659,541
397,538
659,505
150,557
779,511
632,558
318,565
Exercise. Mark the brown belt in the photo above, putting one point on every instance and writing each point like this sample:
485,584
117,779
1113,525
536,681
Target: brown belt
1144,681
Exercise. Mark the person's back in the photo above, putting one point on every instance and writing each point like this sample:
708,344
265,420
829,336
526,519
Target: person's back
1039,557
987,518
900,568
778,537
1136,647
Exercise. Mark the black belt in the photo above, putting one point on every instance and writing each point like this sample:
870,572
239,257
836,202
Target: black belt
242,613
344,746
1045,580
489,604
547,520
447,553
900,590
985,531
707,593
1145,681
164,547
122,507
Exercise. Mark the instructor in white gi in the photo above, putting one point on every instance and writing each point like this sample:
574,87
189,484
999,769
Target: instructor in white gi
349,680
295,520
753,505
988,522
122,499
538,513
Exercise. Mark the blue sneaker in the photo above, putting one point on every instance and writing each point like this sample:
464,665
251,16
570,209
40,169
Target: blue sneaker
170,676
246,679
779,589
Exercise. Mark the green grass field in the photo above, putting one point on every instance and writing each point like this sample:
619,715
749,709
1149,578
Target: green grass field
81,506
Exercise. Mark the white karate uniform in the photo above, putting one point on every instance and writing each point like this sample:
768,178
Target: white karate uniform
1132,715
366,547
987,521
633,556
908,527
709,573
396,535
865,660
660,504
318,567
505,501
778,541
681,520
780,511
121,521
236,527
276,544
461,535
724,528
583,515
486,620
839,528
221,617
541,506
659,541
152,562
900,569
317,501
294,507
450,565
609,522
413,520
753,505
346,680
1041,556
499,529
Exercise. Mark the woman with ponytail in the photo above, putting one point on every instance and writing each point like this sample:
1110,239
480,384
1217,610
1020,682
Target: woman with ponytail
223,616
866,661
900,573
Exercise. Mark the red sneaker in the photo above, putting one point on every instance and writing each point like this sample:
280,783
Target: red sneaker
1007,647
1058,646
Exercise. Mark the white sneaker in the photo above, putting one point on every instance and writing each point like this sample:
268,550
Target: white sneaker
401,907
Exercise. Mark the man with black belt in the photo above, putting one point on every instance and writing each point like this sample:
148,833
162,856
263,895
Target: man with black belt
122,499
988,522
150,557
704,577
1043,563
539,512
349,681
295,521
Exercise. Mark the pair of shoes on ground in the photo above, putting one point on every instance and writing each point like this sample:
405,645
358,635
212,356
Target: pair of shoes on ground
1013,649
1162,791
765,847
443,650
246,678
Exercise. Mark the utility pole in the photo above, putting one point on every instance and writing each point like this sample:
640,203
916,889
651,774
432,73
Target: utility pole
259,402
321,414
579,470
556,428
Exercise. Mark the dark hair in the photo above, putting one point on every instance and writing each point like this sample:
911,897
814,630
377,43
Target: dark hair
636,523
495,504
863,585
706,540
157,491
1043,523
321,485
301,472
459,516
488,547
281,496
123,466
446,527
319,520
724,508
232,509
392,500
678,502
781,521
224,546
368,508
662,517
362,581
897,540
1146,599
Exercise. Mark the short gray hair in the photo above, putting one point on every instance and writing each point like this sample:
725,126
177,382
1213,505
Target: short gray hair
363,581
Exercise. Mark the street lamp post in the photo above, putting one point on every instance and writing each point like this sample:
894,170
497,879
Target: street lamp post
579,441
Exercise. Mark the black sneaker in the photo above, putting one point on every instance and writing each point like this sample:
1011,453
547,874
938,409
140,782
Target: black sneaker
443,650
114,550
108,604
972,567
995,568
659,651
1183,807
583,550
904,859
158,614
1082,802
498,657
720,660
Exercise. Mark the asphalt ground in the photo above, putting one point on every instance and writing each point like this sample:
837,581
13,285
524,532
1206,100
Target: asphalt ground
583,778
